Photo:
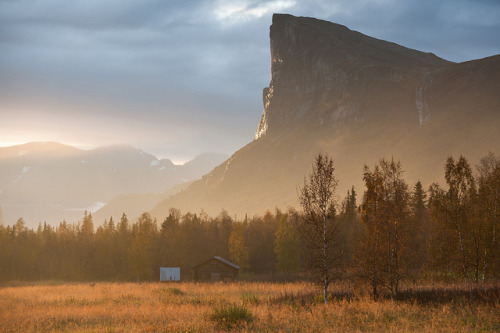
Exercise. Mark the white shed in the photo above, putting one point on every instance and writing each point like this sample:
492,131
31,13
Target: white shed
170,273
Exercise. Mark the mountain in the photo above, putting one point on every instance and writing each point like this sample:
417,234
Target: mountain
359,99
134,204
48,181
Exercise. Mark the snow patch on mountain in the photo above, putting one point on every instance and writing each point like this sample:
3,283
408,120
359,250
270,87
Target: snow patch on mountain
94,207
422,107
24,171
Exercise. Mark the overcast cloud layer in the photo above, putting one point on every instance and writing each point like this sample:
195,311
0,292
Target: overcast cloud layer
178,78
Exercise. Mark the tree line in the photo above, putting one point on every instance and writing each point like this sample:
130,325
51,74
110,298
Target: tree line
121,250
407,234
394,232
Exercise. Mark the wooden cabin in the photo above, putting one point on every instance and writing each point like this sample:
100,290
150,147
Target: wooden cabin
216,269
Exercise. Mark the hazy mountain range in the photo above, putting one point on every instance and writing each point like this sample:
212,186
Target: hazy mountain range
358,99
50,181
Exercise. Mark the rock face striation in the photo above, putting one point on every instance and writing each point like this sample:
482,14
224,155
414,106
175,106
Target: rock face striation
359,99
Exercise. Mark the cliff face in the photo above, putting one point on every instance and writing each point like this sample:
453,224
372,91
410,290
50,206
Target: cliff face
359,99
322,74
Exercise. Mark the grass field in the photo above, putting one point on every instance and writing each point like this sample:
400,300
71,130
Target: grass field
243,306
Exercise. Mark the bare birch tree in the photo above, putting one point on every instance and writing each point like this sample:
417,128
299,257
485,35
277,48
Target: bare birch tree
318,225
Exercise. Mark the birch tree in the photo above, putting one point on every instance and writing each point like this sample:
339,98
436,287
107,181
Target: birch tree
382,255
318,227
489,214
453,214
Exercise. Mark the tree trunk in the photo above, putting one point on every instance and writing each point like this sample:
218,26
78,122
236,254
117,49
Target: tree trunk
462,252
325,261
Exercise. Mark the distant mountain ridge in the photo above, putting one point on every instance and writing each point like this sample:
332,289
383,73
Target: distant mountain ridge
49,181
358,99
134,204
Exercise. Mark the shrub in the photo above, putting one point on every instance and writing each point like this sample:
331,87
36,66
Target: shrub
175,291
230,316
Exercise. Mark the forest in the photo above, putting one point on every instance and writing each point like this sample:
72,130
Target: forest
390,233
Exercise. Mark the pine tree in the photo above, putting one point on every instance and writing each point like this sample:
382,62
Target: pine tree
238,249
87,228
287,247
350,228
169,235
418,228
140,253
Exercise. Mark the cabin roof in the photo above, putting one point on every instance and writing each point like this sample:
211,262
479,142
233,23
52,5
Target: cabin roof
222,260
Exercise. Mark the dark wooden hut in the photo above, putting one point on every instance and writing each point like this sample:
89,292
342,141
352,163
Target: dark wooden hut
216,269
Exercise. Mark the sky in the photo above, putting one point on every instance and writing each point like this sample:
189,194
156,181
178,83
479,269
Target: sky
178,78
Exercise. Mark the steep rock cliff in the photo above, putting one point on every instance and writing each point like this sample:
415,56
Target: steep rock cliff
325,74
358,99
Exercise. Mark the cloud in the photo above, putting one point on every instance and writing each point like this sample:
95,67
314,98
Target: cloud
230,11
185,75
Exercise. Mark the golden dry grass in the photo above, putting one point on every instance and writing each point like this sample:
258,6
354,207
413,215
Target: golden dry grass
180,307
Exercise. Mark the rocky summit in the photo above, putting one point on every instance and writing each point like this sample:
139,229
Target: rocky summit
359,99
325,74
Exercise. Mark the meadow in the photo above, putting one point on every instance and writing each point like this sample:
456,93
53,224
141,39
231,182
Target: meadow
239,306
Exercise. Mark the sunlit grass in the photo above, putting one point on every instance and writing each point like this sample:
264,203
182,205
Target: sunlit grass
212,307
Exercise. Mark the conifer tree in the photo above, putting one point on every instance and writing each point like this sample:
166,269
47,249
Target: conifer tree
287,246
418,228
140,251
238,249
350,228
87,228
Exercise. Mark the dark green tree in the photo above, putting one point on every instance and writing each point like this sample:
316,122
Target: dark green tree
287,246
350,229
140,252
419,228
238,249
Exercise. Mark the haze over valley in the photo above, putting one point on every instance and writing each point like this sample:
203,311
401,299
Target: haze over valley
51,182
